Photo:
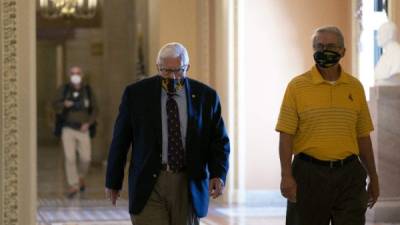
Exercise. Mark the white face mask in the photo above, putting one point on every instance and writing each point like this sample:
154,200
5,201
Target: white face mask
76,79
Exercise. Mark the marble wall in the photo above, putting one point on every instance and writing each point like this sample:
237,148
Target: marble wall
18,113
119,35
46,58
277,46
385,110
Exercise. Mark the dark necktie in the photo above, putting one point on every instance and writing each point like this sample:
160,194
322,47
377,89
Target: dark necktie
176,153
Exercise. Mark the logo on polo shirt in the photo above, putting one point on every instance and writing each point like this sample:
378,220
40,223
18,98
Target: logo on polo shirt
350,97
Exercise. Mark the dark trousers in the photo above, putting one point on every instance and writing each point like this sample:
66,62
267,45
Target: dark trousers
328,195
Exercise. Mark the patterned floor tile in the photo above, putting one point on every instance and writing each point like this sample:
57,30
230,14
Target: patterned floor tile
91,208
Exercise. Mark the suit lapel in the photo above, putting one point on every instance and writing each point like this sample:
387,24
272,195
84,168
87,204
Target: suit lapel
156,109
192,106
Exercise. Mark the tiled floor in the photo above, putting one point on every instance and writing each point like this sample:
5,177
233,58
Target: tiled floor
52,180
81,211
91,208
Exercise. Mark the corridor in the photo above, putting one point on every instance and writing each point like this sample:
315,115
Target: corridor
91,207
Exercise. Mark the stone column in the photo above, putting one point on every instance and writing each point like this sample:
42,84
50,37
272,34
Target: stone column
385,110
119,39
225,78
18,113
219,79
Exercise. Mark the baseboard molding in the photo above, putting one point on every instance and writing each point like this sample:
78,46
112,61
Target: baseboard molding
385,211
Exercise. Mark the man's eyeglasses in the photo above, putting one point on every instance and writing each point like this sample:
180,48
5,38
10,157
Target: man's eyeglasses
330,47
175,71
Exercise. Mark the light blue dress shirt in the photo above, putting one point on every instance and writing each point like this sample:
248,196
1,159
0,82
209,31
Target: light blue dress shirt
180,99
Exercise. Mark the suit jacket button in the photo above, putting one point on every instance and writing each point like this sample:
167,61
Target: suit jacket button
154,175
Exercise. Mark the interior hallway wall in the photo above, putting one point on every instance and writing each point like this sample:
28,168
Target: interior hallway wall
46,58
277,46
119,63
179,21
394,14
173,20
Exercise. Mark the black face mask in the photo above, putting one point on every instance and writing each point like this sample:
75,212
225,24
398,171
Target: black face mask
171,86
326,58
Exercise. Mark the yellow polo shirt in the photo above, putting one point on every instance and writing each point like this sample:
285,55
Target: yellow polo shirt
326,119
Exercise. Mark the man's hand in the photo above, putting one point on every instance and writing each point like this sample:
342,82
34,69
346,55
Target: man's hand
373,190
85,127
216,187
113,196
288,183
289,187
68,103
367,159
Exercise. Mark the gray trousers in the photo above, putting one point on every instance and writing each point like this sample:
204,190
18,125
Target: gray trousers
328,195
169,203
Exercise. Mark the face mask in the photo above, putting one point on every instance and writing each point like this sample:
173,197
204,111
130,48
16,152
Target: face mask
76,79
326,58
172,85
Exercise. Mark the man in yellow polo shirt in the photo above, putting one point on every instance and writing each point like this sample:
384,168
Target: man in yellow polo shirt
325,123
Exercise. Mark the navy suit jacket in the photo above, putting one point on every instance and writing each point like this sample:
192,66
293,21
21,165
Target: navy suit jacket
138,125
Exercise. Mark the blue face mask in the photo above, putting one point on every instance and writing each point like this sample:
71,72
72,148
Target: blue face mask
326,58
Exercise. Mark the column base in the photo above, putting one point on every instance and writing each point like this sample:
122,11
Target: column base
386,211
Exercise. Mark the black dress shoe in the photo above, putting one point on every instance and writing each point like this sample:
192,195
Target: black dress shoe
82,188
71,194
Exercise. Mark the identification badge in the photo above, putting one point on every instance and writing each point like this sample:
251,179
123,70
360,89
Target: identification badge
75,94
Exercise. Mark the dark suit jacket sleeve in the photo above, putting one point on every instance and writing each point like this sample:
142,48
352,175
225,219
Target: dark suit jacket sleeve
220,149
120,144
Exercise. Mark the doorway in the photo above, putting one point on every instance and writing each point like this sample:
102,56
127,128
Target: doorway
105,47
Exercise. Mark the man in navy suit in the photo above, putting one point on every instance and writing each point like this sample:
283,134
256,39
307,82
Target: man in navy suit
180,148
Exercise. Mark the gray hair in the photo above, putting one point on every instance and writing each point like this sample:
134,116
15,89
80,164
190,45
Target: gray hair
75,67
173,50
329,29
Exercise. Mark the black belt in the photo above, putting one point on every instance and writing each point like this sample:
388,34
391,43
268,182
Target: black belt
73,125
331,164
165,167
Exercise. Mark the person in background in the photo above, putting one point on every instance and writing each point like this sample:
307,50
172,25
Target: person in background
76,102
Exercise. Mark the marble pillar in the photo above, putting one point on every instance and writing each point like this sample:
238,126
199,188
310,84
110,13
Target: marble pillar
18,113
385,110
119,63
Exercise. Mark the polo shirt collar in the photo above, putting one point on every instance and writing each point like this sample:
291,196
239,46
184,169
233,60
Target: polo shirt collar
318,79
